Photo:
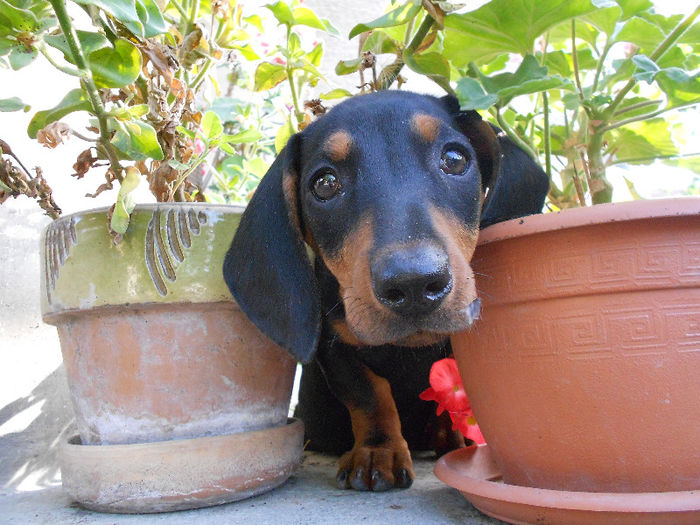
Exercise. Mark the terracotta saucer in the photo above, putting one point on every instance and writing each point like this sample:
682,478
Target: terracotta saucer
180,474
473,472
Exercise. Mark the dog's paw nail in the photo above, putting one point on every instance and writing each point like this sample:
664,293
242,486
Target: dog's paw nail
403,479
341,479
358,480
379,483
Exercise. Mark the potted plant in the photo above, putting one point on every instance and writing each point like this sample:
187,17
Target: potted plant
583,87
184,399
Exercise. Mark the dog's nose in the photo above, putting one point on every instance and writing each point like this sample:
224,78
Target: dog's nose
412,282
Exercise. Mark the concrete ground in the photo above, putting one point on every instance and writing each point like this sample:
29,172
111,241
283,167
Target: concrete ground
36,416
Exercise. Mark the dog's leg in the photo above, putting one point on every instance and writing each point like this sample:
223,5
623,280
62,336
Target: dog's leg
380,458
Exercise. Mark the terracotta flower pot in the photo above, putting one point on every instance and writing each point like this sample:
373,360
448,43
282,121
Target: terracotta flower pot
154,347
584,371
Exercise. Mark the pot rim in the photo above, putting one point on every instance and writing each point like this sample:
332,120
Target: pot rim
589,216
452,469
150,206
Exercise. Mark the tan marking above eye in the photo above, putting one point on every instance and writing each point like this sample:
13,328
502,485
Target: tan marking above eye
338,145
426,126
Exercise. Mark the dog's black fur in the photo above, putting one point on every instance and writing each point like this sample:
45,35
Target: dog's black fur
389,190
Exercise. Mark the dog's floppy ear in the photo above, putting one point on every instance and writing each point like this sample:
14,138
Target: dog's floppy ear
517,185
267,268
520,188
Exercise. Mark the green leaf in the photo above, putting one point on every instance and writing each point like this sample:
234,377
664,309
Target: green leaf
633,7
116,66
642,34
125,201
633,191
504,26
335,94
268,75
306,17
13,104
495,65
138,141
378,42
248,135
347,67
19,19
642,142
680,87
75,100
283,134
89,42
472,96
530,77
255,21
282,13
20,56
314,56
605,19
646,68
211,126
123,10
187,132
330,28
138,111
247,51
151,18
433,65
396,17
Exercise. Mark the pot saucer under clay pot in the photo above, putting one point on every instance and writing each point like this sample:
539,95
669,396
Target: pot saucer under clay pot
473,472
180,474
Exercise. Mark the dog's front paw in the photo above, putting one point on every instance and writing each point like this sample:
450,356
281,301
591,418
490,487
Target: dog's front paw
376,468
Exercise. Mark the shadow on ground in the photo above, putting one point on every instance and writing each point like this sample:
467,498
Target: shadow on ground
31,430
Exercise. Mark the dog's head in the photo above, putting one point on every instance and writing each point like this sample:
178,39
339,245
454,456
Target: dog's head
387,189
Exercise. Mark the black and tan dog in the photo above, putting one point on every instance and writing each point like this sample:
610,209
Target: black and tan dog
389,191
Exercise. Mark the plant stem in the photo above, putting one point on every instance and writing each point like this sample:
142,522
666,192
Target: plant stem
514,136
660,50
65,69
640,105
599,186
88,84
646,116
200,76
547,137
290,79
179,8
599,66
194,12
577,76
391,72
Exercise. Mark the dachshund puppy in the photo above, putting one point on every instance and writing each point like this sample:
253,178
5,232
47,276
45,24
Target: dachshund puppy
388,191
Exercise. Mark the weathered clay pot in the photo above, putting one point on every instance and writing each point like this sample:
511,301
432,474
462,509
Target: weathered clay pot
584,370
154,346
180,473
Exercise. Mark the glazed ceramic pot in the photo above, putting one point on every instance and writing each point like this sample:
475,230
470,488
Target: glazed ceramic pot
154,347
583,371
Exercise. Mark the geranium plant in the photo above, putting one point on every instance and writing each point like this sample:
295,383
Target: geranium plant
144,72
580,85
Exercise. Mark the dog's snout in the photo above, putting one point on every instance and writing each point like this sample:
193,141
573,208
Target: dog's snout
412,282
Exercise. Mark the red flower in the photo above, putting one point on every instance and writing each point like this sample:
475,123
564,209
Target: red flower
447,390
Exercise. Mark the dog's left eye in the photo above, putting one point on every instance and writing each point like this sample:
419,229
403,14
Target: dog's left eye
453,161
325,185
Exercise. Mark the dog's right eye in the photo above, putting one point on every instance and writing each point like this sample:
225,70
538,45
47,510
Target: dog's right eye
325,185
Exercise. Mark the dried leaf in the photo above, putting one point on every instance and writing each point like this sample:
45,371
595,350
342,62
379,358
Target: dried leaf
83,163
52,135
